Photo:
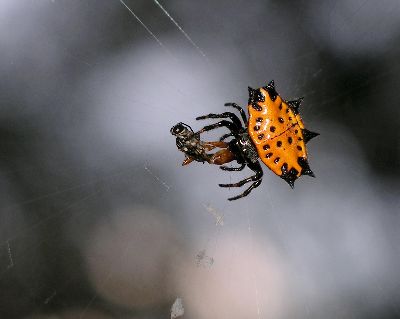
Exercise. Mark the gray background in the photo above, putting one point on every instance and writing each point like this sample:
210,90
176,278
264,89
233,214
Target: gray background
99,220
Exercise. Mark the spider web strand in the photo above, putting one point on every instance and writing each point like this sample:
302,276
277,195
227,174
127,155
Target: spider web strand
142,23
180,29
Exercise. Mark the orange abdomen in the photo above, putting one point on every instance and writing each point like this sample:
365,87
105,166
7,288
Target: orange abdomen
278,133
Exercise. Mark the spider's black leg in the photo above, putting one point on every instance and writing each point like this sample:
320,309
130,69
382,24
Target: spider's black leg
231,126
226,168
242,182
240,109
224,115
225,136
256,167
247,191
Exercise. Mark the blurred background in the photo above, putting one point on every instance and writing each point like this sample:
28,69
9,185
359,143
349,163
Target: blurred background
99,220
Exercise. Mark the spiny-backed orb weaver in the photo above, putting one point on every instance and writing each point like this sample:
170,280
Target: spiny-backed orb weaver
275,133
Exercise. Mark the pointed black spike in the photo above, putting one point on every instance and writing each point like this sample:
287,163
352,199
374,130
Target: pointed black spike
259,97
308,135
270,88
251,91
290,182
295,104
289,176
305,167
308,172
254,97
251,95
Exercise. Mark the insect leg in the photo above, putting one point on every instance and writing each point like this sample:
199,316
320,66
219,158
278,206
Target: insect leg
222,157
187,161
213,145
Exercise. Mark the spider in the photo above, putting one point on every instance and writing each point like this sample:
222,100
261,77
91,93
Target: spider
274,133
195,149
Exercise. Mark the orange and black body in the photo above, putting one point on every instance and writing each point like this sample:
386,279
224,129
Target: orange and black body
278,132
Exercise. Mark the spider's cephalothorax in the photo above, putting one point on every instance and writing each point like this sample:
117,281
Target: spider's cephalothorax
274,133
247,148
195,149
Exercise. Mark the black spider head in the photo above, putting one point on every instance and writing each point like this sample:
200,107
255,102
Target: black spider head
181,129
246,148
